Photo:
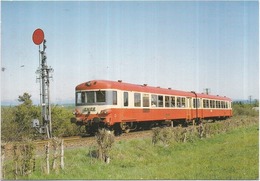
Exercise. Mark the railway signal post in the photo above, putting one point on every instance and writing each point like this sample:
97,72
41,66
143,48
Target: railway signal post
44,75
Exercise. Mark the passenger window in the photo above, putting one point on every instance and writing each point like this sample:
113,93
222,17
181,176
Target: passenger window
183,102
114,97
178,102
173,102
218,104
196,103
205,103
222,104
154,100
146,100
167,101
80,98
160,101
125,98
212,104
137,99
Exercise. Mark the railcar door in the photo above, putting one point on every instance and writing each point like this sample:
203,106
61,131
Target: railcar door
189,109
201,116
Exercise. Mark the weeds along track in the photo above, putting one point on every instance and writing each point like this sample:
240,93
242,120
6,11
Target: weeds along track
79,141
82,141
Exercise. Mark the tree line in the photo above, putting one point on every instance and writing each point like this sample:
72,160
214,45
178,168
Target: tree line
16,121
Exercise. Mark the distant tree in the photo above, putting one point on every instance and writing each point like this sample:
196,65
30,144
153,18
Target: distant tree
25,99
256,103
16,121
24,114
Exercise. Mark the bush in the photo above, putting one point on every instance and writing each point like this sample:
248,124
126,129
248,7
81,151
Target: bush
244,110
164,135
105,140
16,121
61,125
170,135
23,158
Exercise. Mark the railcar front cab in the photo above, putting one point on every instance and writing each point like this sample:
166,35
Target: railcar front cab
93,108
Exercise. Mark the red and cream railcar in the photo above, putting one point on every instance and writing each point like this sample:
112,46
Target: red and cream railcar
124,106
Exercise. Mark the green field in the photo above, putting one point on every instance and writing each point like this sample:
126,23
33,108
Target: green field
233,155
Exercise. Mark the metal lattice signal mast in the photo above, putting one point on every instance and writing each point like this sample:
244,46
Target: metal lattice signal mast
44,73
44,76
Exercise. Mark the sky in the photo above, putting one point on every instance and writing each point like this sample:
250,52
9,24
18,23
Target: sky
185,45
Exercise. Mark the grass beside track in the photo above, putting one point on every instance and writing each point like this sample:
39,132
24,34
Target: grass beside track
233,155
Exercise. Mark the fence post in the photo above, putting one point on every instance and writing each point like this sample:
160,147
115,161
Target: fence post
2,161
47,151
55,147
62,154
16,158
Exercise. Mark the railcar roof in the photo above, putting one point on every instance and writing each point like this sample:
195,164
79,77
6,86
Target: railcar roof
106,84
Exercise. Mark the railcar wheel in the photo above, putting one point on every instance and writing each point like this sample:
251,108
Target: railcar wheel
91,130
126,127
117,129
127,130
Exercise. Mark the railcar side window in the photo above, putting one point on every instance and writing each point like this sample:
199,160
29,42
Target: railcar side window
146,100
80,97
173,102
196,103
160,101
212,103
154,100
205,103
114,97
137,99
178,102
167,101
218,104
222,104
183,102
125,98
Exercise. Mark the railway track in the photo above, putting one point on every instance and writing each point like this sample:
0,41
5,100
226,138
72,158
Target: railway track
80,141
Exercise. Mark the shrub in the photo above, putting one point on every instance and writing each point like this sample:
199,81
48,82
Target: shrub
163,135
105,140
24,158
244,110
61,125
168,135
